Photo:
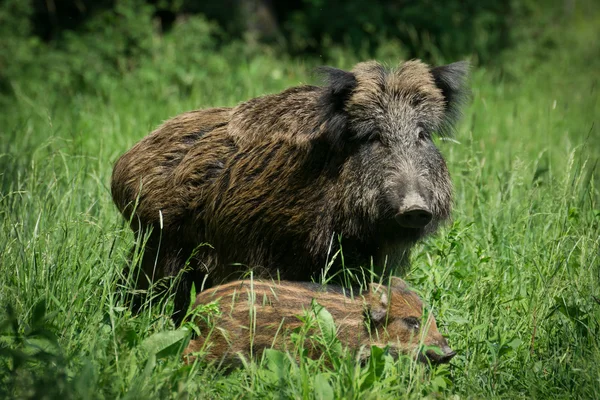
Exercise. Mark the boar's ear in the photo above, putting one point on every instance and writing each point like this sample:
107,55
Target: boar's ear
336,92
378,302
451,79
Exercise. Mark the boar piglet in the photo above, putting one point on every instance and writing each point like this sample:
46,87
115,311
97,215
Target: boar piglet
257,315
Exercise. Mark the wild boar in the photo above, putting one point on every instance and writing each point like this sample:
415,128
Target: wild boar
278,183
257,315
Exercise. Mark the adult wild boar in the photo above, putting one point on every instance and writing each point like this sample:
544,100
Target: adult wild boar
272,183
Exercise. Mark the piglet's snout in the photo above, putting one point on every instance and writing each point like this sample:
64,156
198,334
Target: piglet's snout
442,355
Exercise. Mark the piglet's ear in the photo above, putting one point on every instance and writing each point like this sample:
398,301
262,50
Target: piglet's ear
398,283
451,79
331,107
378,302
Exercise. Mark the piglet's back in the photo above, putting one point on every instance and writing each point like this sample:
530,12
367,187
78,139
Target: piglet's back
255,315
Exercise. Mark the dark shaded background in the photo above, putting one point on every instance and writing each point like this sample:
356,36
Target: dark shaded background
69,43
306,26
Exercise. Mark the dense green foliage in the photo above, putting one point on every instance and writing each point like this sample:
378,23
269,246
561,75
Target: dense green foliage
452,27
514,279
72,44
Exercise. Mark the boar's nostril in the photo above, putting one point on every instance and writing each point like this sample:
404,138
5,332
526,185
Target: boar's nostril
414,218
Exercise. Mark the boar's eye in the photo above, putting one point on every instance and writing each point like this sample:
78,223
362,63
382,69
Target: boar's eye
422,134
375,136
373,139
412,323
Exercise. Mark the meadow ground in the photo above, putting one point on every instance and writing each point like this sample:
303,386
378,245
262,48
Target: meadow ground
514,280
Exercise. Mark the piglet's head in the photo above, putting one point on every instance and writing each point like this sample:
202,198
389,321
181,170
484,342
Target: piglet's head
397,320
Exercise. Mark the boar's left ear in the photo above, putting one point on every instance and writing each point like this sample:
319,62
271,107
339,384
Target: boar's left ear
451,79
336,92
378,302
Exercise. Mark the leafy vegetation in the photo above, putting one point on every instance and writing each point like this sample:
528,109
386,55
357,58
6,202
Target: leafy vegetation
513,281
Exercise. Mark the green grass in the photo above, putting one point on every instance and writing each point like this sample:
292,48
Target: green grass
514,280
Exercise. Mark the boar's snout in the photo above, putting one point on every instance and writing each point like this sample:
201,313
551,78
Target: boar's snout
414,217
412,206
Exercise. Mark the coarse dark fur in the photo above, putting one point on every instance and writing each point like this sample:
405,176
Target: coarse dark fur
257,315
272,183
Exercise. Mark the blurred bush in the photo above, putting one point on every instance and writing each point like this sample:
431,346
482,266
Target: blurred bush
426,28
74,44
110,42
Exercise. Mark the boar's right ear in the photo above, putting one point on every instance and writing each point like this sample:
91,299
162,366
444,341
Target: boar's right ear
336,92
451,79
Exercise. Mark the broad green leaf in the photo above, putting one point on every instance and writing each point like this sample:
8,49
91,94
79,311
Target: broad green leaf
323,389
164,344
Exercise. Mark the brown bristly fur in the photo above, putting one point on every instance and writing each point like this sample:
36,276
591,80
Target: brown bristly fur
255,315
